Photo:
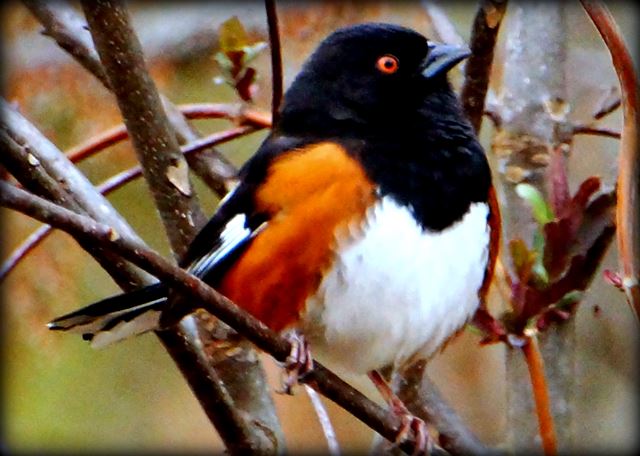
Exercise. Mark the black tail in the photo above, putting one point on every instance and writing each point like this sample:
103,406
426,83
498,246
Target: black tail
117,317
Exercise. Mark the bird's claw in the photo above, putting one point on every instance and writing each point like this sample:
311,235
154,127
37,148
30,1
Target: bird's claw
298,363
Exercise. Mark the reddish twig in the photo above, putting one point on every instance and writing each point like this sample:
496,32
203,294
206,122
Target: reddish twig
97,143
580,129
253,118
535,364
276,58
238,113
23,250
320,378
628,188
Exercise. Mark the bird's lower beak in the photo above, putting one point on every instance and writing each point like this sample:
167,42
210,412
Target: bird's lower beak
443,57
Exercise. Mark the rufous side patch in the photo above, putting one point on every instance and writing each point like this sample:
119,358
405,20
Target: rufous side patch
310,194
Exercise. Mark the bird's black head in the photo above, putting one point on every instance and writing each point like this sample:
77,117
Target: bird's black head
367,75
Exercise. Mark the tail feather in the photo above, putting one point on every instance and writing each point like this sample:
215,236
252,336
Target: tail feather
116,317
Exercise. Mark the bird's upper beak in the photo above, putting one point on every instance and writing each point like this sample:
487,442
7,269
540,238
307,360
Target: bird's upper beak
443,57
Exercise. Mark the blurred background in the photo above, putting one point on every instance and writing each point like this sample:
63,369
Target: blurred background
60,395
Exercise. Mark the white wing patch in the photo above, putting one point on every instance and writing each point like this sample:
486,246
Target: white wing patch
234,233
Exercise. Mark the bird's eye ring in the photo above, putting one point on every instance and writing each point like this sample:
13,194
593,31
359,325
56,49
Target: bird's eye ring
388,64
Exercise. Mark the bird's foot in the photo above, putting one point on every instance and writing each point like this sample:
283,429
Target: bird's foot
408,421
298,363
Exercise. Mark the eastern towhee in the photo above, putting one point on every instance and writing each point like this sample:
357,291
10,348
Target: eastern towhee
366,220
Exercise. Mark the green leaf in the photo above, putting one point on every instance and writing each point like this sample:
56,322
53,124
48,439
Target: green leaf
542,212
569,299
539,271
252,51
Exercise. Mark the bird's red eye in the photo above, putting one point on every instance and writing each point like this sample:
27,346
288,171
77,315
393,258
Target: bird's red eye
388,64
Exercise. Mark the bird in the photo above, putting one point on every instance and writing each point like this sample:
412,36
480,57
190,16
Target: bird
366,221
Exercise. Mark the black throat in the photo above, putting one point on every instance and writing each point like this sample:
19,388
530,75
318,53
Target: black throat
425,157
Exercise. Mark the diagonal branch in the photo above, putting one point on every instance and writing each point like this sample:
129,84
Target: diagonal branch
81,227
110,185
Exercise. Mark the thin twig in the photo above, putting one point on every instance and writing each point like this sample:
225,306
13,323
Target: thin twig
535,364
320,378
628,188
581,129
324,420
119,133
478,67
610,102
276,59
23,250
97,143
239,113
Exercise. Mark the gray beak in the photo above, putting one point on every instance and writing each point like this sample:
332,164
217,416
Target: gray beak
443,57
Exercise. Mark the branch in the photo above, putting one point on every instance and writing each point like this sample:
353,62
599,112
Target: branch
32,174
477,69
40,166
109,185
276,58
68,29
535,363
164,168
27,246
324,381
219,175
62,23
167,174
628,189
114,135
582,129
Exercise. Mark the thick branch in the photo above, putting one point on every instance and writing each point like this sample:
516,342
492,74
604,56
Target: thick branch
478,67
164,168
166,172
384,422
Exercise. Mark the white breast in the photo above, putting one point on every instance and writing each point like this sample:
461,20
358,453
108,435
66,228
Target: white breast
398,290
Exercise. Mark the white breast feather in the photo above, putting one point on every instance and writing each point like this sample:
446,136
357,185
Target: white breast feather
399,290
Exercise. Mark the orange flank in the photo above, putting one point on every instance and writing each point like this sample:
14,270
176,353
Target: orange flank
311,194
494,243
